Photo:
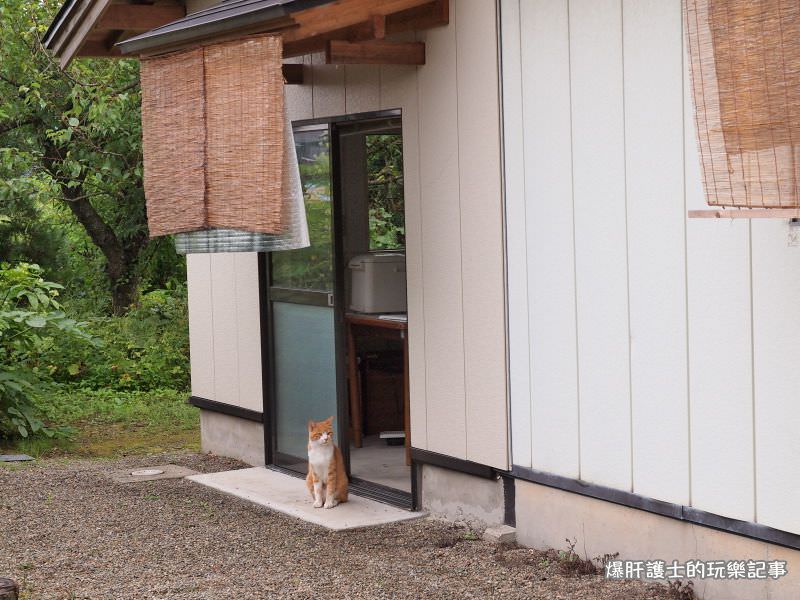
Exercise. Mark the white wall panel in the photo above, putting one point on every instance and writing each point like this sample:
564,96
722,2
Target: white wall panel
298,100
776,345
551,248
656,247
248,325
362,88
600,240
327,91
720,367
441,242
201,319
516,235
482,272
720,350
706,415
225,327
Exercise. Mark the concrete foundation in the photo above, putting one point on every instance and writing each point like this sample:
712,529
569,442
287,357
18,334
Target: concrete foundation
466,499
547,516
231,436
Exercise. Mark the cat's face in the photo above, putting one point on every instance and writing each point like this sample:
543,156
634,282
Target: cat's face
321,433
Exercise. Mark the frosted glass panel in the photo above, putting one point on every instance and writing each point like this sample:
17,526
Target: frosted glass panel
305,372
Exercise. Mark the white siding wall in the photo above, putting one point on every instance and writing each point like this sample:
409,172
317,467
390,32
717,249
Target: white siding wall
224,332
648,352
454,236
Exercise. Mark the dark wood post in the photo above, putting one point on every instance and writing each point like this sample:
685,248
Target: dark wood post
8,589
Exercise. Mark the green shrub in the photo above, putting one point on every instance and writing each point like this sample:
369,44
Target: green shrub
30,319
146,349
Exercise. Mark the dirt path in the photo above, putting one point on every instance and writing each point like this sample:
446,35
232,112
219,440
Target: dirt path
68,531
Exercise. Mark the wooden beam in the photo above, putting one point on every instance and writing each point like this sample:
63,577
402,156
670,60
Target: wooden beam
339,52
98,49
433,14
316,26
371,29
326,18
293,74
139,17
378,26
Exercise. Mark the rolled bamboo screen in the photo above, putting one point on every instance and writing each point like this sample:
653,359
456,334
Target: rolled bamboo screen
213,135
744,60
173,142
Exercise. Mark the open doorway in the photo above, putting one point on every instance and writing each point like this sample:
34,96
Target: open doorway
376,324
336,311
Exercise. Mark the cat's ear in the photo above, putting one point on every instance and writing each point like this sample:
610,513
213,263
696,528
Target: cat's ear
310,425
329,421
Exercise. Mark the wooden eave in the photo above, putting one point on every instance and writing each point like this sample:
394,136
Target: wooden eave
362,22
347,31
94,27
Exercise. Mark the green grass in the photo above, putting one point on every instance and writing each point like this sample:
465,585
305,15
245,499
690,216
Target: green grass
107,423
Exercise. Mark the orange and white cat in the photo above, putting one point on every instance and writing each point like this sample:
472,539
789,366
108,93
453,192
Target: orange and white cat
326,480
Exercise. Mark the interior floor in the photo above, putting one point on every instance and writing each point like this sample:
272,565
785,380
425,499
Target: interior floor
379,463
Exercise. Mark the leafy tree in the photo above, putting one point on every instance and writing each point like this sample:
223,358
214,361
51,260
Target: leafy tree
73,138
25,236
385,189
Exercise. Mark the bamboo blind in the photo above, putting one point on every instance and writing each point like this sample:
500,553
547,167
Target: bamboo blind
744,60
174,181
213,135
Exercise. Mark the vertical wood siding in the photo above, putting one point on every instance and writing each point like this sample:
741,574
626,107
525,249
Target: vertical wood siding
678,355
454,232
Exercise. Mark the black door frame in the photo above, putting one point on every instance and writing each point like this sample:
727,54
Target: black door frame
364,488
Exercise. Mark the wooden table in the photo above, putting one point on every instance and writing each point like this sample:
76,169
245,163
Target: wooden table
371,325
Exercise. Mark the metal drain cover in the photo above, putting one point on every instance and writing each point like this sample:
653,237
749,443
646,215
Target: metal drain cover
151,473
15,458
147,472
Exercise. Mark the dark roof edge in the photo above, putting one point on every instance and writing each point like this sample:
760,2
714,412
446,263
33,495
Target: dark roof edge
61,16
155,39
184,31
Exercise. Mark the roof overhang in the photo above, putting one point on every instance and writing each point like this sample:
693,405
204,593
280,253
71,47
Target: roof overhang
225,17
348,31
94,27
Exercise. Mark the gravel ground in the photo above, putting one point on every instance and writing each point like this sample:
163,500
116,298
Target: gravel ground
68,531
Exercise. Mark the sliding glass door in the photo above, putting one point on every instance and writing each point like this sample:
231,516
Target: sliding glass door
301,295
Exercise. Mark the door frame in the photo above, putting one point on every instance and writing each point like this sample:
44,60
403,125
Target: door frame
361,487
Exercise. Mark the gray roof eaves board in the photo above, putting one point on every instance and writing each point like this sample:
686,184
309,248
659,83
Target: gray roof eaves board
221,18
61,16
